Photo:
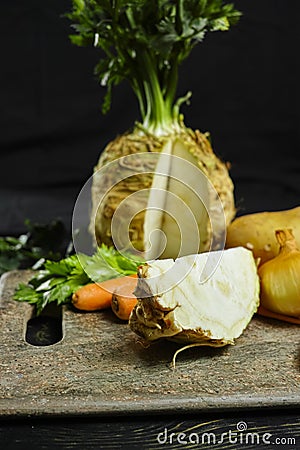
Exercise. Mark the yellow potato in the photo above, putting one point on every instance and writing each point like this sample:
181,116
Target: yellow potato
257,231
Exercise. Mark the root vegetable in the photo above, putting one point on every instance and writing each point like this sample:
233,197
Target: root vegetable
257,231
213,312
123,300
159,213
91,297
280,277
98,296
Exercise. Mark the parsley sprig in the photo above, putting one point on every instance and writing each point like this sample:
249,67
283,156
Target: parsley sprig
144,42
60,279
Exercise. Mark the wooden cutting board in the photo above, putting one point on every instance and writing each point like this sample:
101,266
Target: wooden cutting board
100,367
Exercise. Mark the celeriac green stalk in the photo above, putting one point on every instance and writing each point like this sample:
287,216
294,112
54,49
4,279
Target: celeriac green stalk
144,42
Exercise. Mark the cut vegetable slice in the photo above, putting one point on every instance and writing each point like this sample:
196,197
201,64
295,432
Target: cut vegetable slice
162,203
174,303
177,205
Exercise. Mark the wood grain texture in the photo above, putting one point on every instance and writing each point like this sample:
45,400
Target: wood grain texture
100,368
264,431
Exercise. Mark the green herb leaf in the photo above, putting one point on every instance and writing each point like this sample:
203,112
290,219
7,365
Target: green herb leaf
27,293
108,263
144,41
60,279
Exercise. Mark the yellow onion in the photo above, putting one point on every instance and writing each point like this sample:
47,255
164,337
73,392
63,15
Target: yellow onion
280,277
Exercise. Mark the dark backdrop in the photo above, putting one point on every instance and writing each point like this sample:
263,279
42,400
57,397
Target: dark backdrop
245,92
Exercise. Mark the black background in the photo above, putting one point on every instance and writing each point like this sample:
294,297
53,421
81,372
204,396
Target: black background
245,92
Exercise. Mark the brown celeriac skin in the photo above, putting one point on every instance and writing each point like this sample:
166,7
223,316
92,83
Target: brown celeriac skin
198,146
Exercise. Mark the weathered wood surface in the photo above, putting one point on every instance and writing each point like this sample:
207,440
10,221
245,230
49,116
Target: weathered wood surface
260,431
101,368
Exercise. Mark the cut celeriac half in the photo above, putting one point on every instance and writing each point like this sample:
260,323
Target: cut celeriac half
177,205
207,298
162,203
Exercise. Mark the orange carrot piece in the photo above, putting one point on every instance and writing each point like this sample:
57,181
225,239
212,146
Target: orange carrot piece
98,296
91,297
266,313
123,300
